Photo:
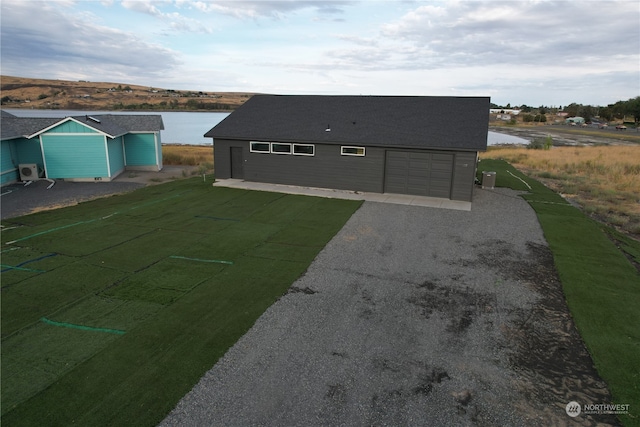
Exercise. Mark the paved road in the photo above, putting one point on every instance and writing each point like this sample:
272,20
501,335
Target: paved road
411,316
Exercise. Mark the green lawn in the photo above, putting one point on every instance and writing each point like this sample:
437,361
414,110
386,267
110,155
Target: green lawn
601,286
113,309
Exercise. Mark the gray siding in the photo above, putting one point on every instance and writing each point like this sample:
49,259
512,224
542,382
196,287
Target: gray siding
464,173
421,172
326,169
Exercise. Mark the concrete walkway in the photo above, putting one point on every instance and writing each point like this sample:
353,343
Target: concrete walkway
399,199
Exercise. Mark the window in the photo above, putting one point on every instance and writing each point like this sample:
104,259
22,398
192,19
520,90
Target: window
259,147
303,149
352,151
279,148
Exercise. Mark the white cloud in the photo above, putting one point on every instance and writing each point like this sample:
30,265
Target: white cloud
525,32
39,37
173,20
248,9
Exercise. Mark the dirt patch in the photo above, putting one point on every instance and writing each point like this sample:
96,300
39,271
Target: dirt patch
547,350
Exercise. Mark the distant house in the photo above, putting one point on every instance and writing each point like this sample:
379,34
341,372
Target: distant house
577,120
79,148
384,144
511,111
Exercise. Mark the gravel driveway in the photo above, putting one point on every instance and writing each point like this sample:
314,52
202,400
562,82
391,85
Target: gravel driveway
411,316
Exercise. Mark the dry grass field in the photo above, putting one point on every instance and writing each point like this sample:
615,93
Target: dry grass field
22,92
188,155
604,180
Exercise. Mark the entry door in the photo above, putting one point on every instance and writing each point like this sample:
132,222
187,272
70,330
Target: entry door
237,170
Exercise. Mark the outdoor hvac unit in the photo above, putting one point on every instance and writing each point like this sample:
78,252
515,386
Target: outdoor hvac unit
28,171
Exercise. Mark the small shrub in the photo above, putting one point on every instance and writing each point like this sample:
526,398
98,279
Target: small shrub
541,143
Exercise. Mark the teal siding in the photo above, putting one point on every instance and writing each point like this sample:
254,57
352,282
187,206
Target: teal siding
116,155
71,127
140,149
28,151
78,156
9,163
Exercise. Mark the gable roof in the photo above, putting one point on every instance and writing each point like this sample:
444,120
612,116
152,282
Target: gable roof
111,125
21,127
459,123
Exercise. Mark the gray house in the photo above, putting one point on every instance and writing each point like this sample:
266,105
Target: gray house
383,144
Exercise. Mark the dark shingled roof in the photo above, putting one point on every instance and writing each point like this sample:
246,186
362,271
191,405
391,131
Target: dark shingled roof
17,127
111,124
117,124
450,123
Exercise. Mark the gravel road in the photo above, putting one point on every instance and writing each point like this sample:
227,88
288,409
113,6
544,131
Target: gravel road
411,316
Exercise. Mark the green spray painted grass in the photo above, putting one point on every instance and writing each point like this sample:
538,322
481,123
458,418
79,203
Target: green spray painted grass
601,286
135,263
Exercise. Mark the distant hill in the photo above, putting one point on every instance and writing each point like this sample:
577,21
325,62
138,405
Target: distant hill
20,92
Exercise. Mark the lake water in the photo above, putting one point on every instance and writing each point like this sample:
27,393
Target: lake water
187,127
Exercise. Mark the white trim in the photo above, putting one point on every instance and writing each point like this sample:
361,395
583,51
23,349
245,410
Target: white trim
63,121
124,152
44,157
106,149
157,145
251,150
342,153
282,152
303,145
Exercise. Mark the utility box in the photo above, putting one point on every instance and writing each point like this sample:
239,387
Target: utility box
488,180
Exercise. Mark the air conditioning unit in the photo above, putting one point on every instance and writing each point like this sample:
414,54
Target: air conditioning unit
28,171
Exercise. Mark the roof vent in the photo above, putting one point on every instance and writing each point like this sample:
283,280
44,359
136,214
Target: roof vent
93,119
328,129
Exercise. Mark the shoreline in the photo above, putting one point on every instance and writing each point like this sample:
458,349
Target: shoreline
561,137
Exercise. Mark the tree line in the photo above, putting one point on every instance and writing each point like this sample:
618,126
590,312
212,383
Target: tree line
616,111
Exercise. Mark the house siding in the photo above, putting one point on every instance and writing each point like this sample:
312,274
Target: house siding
9,172
464,172
140,149
80,156
116,156
29,151
71,127
326,169
446,174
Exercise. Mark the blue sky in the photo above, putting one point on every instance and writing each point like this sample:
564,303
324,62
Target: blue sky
518,52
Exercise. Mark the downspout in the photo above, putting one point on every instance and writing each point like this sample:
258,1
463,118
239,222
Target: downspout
106,148
44,157
124,151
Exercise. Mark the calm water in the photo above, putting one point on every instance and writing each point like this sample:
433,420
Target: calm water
184,127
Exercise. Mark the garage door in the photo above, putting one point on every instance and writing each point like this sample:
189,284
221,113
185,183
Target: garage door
418,173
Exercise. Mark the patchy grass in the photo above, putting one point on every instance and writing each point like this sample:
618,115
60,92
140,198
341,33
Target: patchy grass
604,180
187,155
600,283
113,309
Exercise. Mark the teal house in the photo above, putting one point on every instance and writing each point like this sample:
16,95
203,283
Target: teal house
78,148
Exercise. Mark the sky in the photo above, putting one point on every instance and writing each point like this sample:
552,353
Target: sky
517,52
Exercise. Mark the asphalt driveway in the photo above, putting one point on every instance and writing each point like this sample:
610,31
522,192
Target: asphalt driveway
411,316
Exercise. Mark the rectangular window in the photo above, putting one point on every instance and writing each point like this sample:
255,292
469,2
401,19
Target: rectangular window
352,151
279,148
259,147
304,149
